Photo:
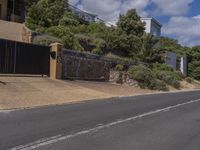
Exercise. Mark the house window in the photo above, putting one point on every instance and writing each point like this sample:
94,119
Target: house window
16,7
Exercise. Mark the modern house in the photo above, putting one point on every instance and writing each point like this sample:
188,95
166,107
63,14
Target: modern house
12,16
152,26
83,15
12,10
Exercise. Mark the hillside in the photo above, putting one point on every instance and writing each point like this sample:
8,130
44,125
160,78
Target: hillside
54,22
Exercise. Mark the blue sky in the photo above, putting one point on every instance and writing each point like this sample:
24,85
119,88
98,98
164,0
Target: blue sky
180,18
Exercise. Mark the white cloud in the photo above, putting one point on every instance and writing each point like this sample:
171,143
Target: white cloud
140,5
110,9
185,29
172,7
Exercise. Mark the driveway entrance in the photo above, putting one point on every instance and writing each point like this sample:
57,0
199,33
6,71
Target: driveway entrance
20,92
23,58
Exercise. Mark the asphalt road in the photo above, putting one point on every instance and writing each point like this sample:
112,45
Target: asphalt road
151,122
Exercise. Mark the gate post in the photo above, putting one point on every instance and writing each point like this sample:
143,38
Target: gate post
55,61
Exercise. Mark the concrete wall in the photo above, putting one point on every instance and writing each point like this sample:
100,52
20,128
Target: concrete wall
84,66
148,25
15,32
11,30
170,59
152,26
183,65
3,13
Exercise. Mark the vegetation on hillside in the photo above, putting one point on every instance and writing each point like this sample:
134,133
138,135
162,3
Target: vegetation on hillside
127,40
192,53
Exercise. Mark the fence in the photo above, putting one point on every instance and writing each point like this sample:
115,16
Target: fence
23,58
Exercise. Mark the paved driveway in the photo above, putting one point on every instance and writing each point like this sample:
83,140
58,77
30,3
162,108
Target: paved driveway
20,92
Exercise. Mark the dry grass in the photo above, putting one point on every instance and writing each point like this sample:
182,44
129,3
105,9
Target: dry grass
193,85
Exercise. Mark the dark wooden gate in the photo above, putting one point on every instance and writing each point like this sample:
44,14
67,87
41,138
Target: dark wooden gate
23,58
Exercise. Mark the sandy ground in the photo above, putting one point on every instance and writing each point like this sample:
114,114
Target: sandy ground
185,85
24,92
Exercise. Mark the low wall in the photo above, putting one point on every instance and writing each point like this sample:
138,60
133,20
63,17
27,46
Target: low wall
83,66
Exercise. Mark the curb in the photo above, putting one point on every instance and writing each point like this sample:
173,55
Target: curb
89,100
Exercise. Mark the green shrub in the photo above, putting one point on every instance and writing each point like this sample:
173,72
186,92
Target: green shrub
176,75
169,78
99,44
44,13
58,31
119,67
158,85
146,78
45,40
189,80
142,74
175,83
180,75
118,58
69,19
162,67
168,75
169,71
194,69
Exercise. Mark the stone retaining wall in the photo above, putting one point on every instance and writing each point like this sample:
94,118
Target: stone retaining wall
83,66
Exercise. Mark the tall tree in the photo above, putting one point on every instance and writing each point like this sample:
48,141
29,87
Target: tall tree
45,13
131,23
148,49
169,44
194,62
29,3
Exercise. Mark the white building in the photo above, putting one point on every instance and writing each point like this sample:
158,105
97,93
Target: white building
152,26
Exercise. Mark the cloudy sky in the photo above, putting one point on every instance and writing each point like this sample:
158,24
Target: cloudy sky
180,18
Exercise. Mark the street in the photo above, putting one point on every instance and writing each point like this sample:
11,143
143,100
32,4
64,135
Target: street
149,122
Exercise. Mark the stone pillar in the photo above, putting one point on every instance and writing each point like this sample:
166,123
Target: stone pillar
55,61
3,8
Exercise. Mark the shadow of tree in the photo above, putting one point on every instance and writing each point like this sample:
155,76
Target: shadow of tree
2,83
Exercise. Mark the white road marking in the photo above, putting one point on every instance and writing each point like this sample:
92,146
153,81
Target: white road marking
58,138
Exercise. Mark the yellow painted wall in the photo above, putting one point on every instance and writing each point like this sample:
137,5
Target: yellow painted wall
55,65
